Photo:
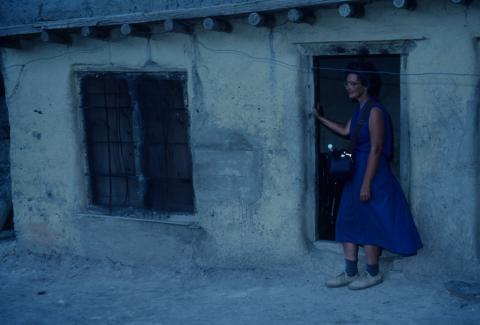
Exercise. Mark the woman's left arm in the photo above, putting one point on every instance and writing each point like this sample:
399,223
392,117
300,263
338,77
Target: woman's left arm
376,128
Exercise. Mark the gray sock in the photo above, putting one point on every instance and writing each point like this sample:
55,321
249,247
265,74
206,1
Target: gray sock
351,267
372,269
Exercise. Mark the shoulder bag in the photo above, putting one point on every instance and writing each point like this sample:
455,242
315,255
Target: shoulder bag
341,161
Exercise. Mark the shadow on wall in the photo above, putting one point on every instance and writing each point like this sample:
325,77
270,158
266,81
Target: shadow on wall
6,211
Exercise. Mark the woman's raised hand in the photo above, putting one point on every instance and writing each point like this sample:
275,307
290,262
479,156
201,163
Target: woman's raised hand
318,110
341,129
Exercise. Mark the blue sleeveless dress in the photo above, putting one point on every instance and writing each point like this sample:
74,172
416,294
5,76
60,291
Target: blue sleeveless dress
384,220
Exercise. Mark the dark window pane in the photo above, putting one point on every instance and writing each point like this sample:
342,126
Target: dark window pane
111,153
138,129
179,164
117,121
96,100
93,85
156,196
180,195
155,162
167,155
178,123
121,192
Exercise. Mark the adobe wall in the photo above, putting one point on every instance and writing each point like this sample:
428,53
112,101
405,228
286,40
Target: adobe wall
250,108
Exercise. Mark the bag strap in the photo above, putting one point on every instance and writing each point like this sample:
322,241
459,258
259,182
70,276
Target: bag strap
364,115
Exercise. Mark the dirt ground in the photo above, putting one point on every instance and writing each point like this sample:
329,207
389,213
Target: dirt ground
71,290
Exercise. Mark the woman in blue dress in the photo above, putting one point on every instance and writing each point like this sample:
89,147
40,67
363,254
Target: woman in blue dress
373,211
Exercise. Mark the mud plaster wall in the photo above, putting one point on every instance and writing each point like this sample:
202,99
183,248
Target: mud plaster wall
249,123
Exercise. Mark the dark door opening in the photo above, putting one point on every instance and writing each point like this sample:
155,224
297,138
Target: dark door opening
6,210
330,92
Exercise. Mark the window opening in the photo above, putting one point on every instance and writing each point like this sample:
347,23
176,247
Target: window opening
137,141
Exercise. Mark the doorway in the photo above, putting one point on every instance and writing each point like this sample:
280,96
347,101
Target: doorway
6,210
330,92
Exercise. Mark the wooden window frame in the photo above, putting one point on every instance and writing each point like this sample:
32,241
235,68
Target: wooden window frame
181,76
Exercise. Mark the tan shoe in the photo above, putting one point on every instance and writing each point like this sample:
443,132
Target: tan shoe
366,281
341,280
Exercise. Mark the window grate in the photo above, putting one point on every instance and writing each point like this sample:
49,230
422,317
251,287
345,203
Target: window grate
137,141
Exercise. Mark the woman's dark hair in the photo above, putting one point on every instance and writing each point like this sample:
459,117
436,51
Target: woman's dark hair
367,75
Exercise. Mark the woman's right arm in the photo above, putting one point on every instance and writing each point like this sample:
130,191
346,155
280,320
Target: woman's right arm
342,129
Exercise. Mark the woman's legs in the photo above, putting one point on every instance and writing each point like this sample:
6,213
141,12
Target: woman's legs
350,277
350,251
351,270
372,253
351,258
373,276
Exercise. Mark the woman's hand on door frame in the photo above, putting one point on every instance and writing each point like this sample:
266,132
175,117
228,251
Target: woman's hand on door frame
318,111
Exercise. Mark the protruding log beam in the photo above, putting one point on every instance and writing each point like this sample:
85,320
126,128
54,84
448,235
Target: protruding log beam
139,30
298,16
461,2
174,26
260,20
10,42
405,4
351,10
60,37
95,32
213,24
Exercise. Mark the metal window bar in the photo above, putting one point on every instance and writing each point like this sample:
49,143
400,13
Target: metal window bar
108,148
119,133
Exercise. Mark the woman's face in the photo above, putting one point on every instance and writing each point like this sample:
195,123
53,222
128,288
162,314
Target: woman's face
354,87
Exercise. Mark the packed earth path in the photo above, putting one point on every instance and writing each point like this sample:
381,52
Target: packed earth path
53,289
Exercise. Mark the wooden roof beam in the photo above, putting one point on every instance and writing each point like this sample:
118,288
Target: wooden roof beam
10,42
137,30
95,32
405,4
351,10
227,9
461,2
217,25
60,37
303,15
174,26
257,19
